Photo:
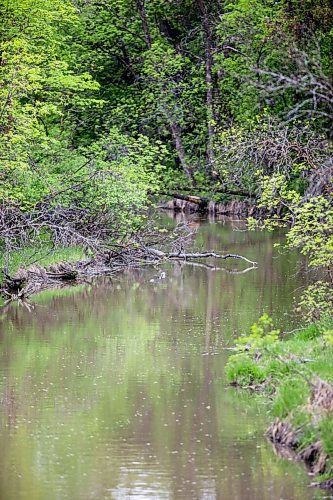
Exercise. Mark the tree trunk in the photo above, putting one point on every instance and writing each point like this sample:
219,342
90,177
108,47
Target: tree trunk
144,21
176,133
208,36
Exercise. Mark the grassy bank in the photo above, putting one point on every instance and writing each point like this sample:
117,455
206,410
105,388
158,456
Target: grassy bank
296,372
42,255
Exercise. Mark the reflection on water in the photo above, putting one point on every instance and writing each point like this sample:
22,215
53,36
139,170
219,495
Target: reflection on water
117,390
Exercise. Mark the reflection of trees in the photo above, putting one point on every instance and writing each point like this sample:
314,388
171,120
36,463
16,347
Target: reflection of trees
96,374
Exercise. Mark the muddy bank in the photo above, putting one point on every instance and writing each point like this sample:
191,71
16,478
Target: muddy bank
36,278
288,442
237,208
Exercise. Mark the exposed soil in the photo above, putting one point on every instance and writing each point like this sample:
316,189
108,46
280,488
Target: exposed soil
237,208
287,440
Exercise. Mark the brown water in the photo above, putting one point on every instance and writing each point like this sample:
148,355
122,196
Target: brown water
117,390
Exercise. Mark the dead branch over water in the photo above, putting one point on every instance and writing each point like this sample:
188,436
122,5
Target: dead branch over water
98,233
149,246
27,282
199,255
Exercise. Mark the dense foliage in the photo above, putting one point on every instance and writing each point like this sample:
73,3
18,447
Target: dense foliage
105,101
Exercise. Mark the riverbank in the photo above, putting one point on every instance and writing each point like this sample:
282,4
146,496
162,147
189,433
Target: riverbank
32,279
295,372
189,204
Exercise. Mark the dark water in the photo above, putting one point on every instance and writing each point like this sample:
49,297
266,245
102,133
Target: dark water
117,390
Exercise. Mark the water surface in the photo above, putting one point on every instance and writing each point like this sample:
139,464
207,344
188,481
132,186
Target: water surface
117,390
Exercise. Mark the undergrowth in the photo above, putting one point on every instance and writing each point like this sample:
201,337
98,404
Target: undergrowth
289,371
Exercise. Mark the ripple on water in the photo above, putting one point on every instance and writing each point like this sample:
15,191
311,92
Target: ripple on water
118,390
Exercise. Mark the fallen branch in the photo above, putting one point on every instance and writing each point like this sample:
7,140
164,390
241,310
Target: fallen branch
109,258
200,201
218,268
203,202
199,255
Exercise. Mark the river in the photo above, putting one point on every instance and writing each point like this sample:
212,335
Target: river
116,390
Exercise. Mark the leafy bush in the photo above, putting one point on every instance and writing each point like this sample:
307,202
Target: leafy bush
316,301
262,335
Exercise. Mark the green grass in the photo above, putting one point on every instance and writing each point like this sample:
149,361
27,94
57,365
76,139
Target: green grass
284,370
43,256
244,371
291,394
326,434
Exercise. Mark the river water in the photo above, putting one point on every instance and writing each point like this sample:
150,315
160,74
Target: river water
117,390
